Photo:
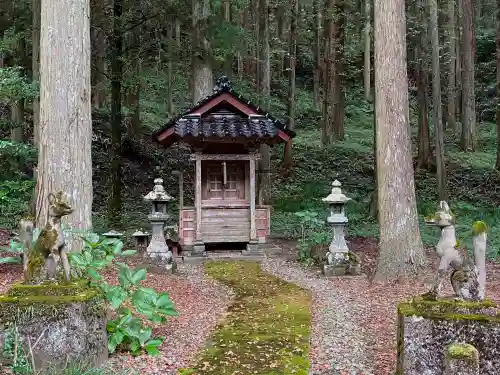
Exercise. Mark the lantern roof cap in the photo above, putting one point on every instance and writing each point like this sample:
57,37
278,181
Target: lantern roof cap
336,195
112,233
140,233
158,194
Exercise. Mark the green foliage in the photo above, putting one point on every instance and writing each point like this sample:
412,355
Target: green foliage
15,86
126,330
16,248
13,349
313,234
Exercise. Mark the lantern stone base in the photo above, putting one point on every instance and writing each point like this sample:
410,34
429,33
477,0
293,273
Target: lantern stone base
341,270
432,334
342,263
59,323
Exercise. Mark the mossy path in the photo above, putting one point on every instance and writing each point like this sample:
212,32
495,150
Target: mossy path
266,331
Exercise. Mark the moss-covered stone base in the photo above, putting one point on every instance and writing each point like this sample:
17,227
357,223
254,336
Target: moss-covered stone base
67,321
461,359
267,329
426,329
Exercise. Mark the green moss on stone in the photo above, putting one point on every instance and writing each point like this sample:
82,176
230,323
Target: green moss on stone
267,328
479,227
25,302
49,289
447,309
462,351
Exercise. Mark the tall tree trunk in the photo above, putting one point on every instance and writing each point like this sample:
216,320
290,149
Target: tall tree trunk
451,36
239,56
497,164
264,83
338,72
36,66
401,250
287,157
328,71
170,83
424,143
135,80
468,138
226,17
115,200
64,152
17,119
202,68
17,107
458,67
317,53
99,54
281,26
437,109
367,55
374,199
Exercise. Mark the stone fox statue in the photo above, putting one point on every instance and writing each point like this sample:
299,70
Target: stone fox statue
468,278
50,244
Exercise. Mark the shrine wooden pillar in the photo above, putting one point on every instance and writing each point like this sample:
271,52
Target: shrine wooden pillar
199,246
253,231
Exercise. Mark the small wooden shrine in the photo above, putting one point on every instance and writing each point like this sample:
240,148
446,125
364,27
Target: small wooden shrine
224,130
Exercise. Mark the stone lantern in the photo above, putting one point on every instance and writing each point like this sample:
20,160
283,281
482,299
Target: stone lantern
141,239
339,260
113,234
158,249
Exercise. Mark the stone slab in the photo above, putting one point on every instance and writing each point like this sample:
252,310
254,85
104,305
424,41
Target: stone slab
426,328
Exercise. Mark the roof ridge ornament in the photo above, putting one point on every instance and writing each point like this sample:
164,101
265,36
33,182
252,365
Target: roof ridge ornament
223,83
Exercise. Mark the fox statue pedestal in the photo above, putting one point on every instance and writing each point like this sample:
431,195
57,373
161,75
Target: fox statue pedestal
58,323
432,337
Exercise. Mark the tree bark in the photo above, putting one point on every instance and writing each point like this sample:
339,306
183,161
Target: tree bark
115,199
367,55
17,107
338,72
497,164
458,67
64,156
99,53
374,199
36,67
451,37
401,250
202,69
328,71
134,75
437,109
424,143
317,53
170,83
264,82
287,157
468,138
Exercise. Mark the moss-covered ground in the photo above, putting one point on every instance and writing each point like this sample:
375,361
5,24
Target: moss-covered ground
267,328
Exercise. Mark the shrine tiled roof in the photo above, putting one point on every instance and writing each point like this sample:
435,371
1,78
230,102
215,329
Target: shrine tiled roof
260,124
225,126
